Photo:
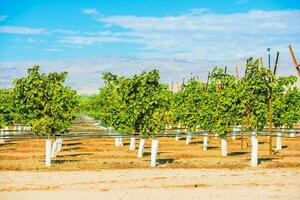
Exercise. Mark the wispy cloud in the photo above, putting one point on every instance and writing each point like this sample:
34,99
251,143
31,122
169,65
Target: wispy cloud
181,45
204,34
93,40
53,50
30,40
85,73
89,11
65,31
22,30
3,17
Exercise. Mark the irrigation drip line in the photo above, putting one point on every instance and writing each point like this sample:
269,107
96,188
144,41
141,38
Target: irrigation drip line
110,135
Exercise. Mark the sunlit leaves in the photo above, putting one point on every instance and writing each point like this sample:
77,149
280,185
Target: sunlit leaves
42,101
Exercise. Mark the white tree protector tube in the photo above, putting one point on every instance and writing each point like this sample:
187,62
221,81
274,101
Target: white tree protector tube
233,137
6,130
116,141
278,141
188,139
205,141
120,141
58,146
216,135
177,136
179,125
141,148
292,133
60,142
1,135
132,143
53,148
223,147
154,149
48,153
254,152
253,136
15,129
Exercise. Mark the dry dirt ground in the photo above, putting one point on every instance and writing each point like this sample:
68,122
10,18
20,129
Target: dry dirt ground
96,169
101,153
131,184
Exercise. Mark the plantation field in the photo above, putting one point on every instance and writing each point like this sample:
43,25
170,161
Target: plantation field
101,153
259,184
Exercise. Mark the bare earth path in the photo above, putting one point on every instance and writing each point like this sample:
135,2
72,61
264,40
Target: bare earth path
153,184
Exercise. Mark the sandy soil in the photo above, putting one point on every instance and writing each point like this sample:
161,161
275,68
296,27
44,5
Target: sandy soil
152,184
101,153
96,169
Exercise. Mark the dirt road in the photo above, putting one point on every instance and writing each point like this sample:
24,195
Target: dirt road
140,184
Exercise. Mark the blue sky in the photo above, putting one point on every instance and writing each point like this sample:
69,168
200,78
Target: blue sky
87,38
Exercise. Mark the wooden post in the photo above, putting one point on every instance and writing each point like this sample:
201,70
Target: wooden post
207,81
178,87
276,63
270,125
237,73
242,136
261,62
295,60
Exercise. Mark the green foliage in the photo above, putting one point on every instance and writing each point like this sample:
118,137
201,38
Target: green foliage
256,90
186,104
132,105
6,107
141,104
226,92
286,101
42,101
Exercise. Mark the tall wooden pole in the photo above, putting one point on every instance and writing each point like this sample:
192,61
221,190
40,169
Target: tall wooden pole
270,123
269,57
237,73
276,63
242,136
261,62
295,60
207,82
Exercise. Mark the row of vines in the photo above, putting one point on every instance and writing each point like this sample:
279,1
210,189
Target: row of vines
143,105
39,101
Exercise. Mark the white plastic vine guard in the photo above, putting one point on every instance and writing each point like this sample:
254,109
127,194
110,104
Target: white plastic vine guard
205,141
254,152
278,141
154,149
223,147
141,148
132,143
48,153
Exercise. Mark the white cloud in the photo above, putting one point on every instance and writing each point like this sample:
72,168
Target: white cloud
85,73
30,40
93,40
89,11
65,31
22,30
192,42
203,34
53,50
3,17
